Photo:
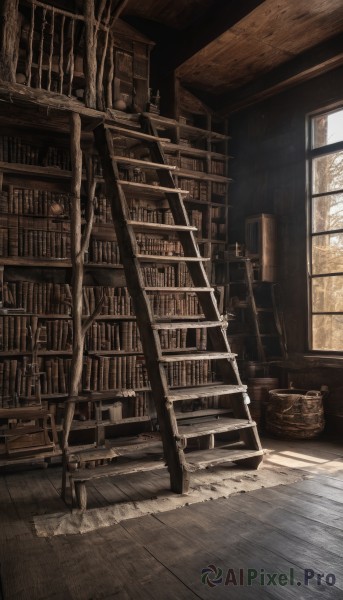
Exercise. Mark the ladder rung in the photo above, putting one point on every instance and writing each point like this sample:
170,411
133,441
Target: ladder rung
178,290
201,413
161,226
206,391
136,134
168,358
154,188
166,258
146,164
192,325
212,426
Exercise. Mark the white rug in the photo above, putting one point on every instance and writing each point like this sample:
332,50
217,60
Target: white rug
206,485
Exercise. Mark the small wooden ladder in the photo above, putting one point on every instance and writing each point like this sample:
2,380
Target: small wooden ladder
218,437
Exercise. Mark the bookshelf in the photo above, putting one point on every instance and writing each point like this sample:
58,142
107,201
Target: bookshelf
35,231
199,151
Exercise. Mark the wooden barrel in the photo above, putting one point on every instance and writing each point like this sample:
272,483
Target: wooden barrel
258,391
295,414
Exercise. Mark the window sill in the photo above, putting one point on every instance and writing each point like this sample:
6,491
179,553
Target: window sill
301,361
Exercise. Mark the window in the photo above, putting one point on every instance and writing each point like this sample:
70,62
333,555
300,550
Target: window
326,231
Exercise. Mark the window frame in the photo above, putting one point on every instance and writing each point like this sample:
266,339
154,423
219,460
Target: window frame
313,153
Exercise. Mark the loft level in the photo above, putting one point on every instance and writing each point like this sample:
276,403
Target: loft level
56,52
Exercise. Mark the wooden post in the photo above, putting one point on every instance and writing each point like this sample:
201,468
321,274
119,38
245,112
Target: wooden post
110,73
90,66
100,70
8,36
90,55
79,246
77,262
77,279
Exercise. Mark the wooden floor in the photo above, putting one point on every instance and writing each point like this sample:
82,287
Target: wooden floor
179,554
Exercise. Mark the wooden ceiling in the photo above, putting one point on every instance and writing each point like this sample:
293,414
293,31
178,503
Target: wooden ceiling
269,36
223,47
177,14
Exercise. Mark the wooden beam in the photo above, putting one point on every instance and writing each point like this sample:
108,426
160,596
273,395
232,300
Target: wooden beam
309,64
119,9
23,95
218,19
9,36
90,62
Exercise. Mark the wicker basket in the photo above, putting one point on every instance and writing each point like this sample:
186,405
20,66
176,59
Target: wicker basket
258,388
295,413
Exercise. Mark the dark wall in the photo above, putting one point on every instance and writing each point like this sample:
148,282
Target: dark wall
269,172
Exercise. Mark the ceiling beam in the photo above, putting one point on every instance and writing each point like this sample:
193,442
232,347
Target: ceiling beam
309,64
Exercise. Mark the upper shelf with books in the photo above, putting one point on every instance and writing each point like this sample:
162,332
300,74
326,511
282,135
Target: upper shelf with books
165,124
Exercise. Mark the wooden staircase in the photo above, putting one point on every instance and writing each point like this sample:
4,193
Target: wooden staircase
194,439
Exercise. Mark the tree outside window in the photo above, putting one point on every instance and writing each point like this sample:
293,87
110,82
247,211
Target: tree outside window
326,232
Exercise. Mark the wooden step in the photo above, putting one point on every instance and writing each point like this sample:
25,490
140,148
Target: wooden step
178,290
201,459
126,467
91,454
211,426
165,258
217,389
160,226
197,356
152,188
23,413
121,447
31,450
17,432
135,134
191,325
146,164
202,413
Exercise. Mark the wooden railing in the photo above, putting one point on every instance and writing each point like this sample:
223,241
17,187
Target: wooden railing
47,48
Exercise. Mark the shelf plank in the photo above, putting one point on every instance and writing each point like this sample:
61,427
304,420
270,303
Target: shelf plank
207,133
197,356
191,325
192,151
178,290
137,134
189,174
20,261
165,258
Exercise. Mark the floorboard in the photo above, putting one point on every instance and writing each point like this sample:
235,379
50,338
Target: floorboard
281,529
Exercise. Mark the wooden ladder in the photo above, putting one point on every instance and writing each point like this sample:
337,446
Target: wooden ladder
218,437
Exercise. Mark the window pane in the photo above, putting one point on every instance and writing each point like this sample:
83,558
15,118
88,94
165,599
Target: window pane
327,294
327,213
327,129
327,173
327,253
327,332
